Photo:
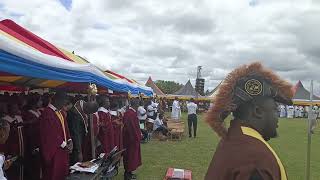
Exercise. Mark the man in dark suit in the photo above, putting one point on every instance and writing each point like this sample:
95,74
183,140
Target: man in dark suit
78,122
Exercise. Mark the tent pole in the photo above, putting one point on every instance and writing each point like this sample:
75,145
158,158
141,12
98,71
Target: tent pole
310,119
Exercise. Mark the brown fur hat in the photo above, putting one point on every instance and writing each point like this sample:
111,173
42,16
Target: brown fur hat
243,84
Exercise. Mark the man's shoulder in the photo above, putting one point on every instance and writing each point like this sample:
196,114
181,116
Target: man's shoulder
251,152
129,112
47,110
72,111
47,113
249,148
100,111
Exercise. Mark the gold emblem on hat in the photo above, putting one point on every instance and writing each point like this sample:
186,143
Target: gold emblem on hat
253,87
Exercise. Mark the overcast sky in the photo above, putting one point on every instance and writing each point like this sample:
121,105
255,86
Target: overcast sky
168,39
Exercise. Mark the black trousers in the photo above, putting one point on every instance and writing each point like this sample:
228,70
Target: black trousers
144,134
154,117
192,121
163,130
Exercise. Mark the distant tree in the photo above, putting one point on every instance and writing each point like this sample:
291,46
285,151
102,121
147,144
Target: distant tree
168,87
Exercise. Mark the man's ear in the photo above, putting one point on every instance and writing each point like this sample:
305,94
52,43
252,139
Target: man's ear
2,134
257,112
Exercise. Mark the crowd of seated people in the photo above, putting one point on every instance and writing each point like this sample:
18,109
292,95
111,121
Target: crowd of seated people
151,116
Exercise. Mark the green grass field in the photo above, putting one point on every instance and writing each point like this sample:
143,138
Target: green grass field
196,153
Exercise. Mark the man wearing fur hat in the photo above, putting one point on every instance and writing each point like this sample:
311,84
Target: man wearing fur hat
250,93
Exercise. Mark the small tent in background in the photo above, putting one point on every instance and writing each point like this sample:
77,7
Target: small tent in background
302,95
214,91
154,87
187,91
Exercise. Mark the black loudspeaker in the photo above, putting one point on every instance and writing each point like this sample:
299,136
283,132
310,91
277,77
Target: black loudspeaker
200,86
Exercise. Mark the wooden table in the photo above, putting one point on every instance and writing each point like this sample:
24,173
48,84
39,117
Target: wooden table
176,129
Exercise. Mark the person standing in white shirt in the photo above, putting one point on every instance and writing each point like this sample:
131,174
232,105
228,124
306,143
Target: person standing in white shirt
151,111
142,113
142,116
192,117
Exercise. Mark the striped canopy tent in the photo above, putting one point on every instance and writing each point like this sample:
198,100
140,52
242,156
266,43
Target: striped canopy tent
29,61
136,86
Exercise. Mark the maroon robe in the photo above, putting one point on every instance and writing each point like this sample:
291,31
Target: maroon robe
240,156
96,124
32,139
14,146
55,159
117,123
131,141
106,134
